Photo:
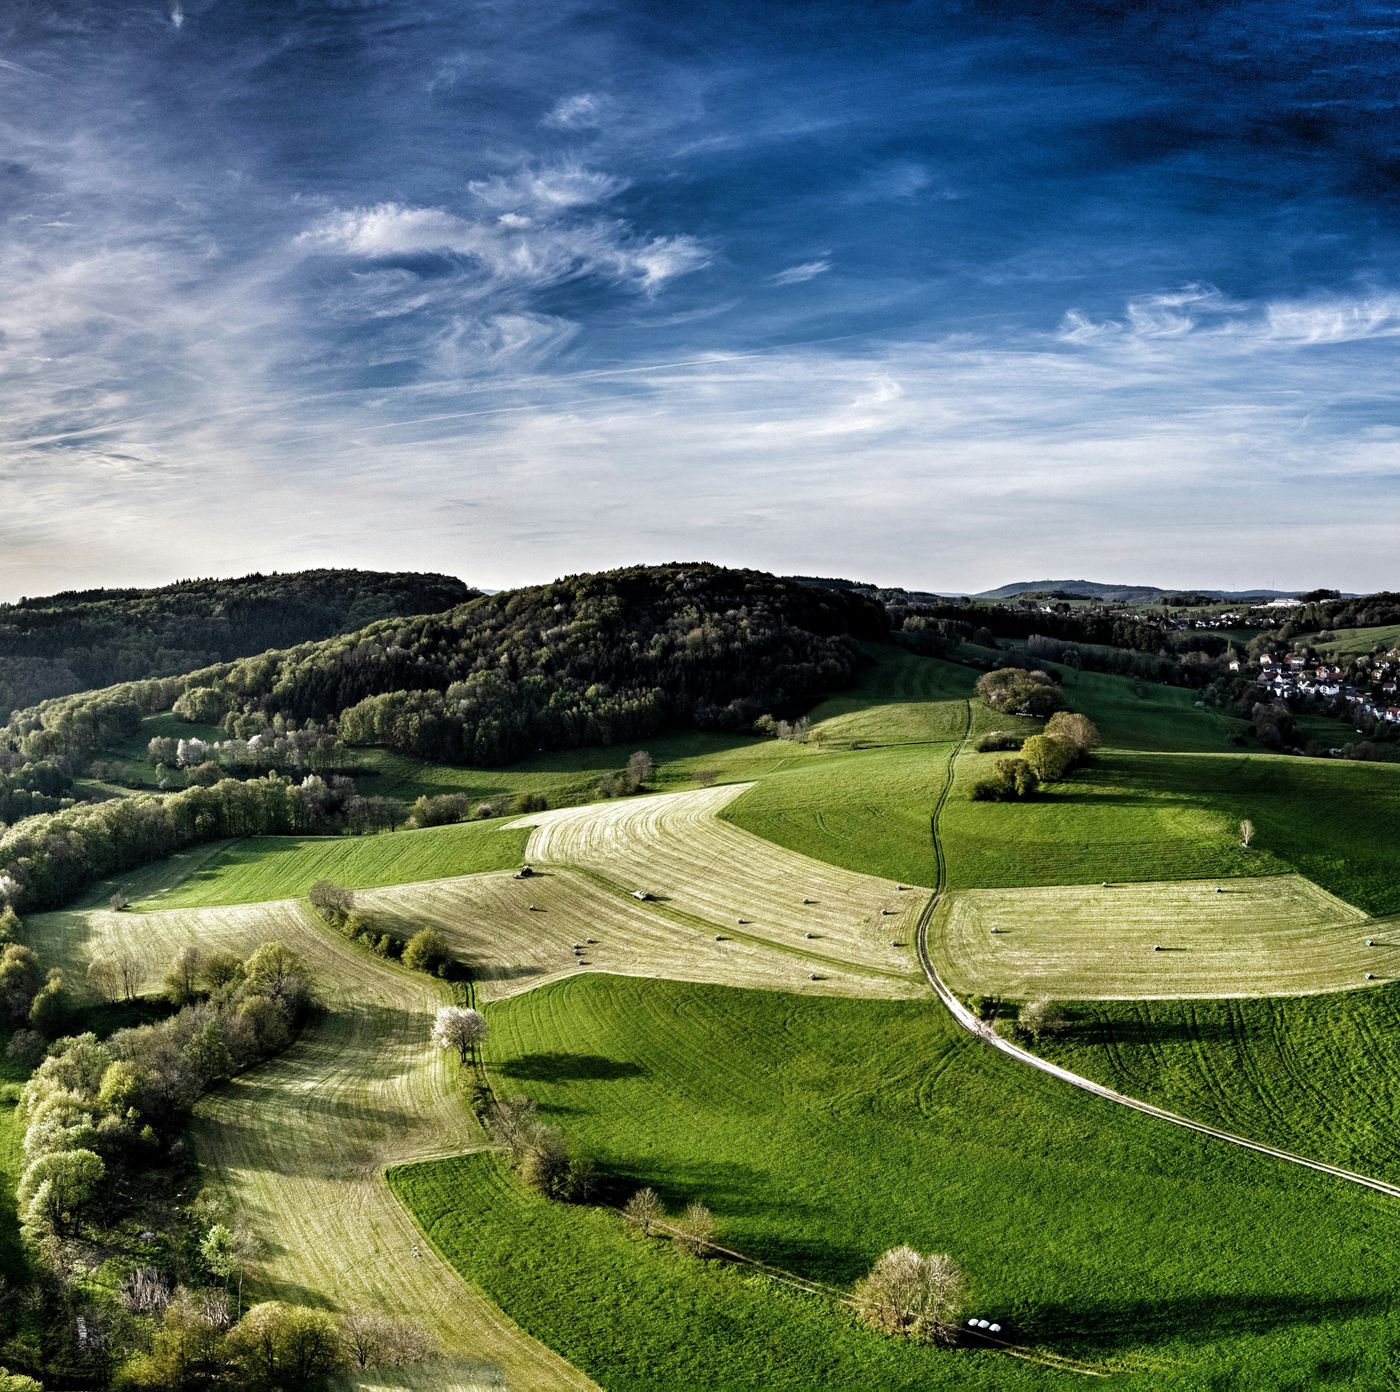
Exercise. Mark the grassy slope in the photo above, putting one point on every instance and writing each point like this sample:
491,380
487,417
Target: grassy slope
1161,801
1354,642
821,1132
12,1076
263,868
645,1318
1317,1075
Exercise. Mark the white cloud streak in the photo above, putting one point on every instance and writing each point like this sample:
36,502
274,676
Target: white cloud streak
801,273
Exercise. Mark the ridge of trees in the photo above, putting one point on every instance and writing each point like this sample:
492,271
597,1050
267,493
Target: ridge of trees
80,639
589,659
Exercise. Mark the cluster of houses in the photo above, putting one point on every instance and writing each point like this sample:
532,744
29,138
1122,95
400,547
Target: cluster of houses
1295,675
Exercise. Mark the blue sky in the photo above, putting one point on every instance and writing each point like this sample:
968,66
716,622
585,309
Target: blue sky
942,295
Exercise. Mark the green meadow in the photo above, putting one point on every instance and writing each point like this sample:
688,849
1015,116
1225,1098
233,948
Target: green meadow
261,868
1319,1075
820,1132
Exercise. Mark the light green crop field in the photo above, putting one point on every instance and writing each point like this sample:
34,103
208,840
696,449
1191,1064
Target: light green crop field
301,1143
1355,642
263,868
823,1131
1274,936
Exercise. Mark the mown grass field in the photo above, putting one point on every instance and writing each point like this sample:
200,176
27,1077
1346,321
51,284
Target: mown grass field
675,848
823,1131
514,935
1269,936
1318,1075
301,1143
263,868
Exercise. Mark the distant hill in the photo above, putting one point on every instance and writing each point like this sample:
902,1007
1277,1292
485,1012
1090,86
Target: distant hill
80,639
1122,594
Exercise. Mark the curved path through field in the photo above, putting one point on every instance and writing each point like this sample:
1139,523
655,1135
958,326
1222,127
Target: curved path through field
984,1032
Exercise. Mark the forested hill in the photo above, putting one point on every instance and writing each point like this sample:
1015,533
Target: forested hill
590,659
81,639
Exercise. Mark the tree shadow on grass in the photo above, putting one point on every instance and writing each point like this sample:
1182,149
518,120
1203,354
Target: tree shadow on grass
1102,1033
1107,1326
556,1067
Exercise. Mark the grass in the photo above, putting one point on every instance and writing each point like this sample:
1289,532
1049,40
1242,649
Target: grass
823,1131
13,1263
301,1143
645,1317
1356,642
1277,935
264,868
1318,1075
130,764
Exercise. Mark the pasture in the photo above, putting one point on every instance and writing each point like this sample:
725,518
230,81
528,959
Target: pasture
13,1263
301,1143
259,869
822,1131
1319,1075
644,1317
1268,936
1356,642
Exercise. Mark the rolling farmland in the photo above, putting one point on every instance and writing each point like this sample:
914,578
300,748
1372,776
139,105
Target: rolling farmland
821,1131
517,934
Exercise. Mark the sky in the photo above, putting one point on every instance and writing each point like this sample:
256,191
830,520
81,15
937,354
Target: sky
942,295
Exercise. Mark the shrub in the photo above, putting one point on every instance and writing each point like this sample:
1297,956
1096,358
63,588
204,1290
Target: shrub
1049,757
427,951
695,1230
998,740
1011,780
1019,692
907,1293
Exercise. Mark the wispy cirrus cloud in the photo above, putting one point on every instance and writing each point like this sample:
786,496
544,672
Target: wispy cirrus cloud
580,111
801,273
510,251
1204,311
868,303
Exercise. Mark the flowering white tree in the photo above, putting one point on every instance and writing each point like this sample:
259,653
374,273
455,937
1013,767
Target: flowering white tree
459,1027
912,1294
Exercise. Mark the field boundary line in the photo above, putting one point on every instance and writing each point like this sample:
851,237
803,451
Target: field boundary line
985,1032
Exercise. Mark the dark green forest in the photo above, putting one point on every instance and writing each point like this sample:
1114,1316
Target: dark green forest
58,644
